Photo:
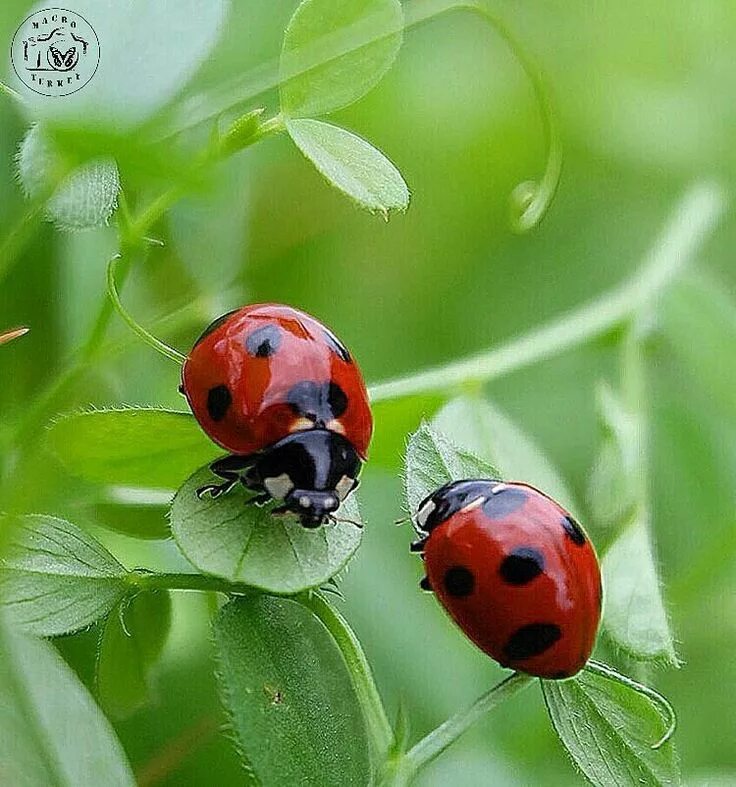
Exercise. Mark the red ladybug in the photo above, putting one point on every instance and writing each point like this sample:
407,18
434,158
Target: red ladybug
281,393
515,571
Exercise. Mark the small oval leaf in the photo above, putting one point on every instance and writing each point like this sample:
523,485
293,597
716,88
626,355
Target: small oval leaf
51,731
609,730
634,615
356,40
136,447
433,460
289,694
246,544
85,198
351,165
54,577
131,643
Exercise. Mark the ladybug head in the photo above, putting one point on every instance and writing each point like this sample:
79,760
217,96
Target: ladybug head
449,499
313,508
311,471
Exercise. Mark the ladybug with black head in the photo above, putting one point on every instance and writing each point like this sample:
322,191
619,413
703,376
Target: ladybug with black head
282,394
515,571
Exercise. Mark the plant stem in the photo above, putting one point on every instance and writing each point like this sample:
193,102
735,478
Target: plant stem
379,729
136,327
145,580
439,739
690,224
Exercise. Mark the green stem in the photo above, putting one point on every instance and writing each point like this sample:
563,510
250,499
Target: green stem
379,728
132,323
145,580
692,221
443,736
663,706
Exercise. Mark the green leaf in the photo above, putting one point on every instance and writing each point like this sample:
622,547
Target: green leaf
351,165
138,447
481,428
289,694
615,478
245,543
83,199
609,730
51,732
326,31
634,615
131,643
432,460
54,577
698,319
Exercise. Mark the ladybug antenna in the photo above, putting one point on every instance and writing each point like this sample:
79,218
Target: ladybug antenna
402,521
359,525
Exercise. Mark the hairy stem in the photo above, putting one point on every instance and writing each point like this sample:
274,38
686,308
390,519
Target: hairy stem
147,580
379,728
690,224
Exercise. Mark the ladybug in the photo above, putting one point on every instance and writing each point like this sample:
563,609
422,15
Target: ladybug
281,393
515,571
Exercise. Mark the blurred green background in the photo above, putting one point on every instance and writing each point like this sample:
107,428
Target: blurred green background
645,94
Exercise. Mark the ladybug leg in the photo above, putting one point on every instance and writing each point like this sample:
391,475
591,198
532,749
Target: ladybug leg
259,500
418,546
424,584
229,468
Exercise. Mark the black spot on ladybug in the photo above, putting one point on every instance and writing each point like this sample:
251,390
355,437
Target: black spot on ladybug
459,581
263,342
213,326
531,640
503,503
573,530
219,400
521,566
319,402
337,346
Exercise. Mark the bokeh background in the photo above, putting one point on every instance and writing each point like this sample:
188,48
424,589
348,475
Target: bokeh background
645,96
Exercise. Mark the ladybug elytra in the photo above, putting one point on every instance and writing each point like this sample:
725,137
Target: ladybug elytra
515,571
280,392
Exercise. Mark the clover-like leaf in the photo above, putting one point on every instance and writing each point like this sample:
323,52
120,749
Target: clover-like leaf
135,447
54,577
355,41
478,426
51,731
289,694
433,460
634,615
81,199
244,543
351,165
131,643
610,731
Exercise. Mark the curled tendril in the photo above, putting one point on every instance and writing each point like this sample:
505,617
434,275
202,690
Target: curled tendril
131,322
662,704
530,200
